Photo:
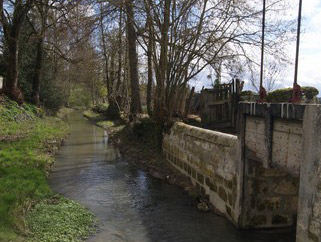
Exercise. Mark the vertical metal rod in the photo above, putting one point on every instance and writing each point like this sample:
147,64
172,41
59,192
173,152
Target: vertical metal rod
298,44
262,47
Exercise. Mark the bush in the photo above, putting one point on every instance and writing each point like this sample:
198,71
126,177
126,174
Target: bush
280,95
310,92
285,94
148,132
100,108
248,96
52,95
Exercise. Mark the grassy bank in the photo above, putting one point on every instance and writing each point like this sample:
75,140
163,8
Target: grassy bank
27,140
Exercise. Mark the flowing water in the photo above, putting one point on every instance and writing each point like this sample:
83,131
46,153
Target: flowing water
131,205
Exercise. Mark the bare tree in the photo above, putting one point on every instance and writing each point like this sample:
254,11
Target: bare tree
190,35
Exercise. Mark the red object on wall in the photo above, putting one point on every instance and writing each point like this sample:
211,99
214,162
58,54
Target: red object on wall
262,94
297,94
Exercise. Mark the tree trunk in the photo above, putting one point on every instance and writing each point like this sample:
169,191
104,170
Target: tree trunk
150,75
119,51
11,85
188,103
37,73
159,102
135,105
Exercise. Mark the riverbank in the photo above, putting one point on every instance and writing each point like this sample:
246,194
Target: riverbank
28,139
140,144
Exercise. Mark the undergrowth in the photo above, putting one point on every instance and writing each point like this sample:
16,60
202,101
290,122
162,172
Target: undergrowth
58,219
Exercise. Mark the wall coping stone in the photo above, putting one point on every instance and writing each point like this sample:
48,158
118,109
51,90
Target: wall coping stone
211,136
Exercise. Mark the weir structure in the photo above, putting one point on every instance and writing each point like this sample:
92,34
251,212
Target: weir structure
268,175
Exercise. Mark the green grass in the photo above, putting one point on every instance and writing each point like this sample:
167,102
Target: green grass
49,218
63,112
26,141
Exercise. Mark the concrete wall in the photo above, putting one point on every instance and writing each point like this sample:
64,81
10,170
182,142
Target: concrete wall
272,152
274,136
287,145
210,160
286,142
309,210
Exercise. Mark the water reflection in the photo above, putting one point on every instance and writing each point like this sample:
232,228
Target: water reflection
131,205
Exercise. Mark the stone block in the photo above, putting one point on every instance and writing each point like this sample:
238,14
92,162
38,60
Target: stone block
207,181
291,204
194,173
280,219
314,230
286,187
213,187
271,172
185,166
219,179
316,210
230,199
258,220
189,170
228,210
222,193
228,184
200,178
269,204
263,187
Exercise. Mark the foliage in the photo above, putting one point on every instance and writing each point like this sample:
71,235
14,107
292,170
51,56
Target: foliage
79,97
52,94
148,132
285,94
100,108
58,219
280,95
310,92
106,124
63,112
248,95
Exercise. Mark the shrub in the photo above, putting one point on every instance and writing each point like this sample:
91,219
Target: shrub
248,96
100,108
285,94
148,132
280,95
310,92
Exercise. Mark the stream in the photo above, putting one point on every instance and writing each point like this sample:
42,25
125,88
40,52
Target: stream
131,205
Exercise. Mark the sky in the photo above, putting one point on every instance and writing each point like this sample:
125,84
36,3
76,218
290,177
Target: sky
309,72
310,51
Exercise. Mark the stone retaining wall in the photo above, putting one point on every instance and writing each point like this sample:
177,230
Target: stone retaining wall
309,210
210,160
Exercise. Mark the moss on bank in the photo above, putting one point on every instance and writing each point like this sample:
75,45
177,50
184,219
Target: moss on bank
27,138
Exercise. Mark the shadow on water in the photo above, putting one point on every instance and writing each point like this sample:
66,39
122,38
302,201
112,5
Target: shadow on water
131,205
